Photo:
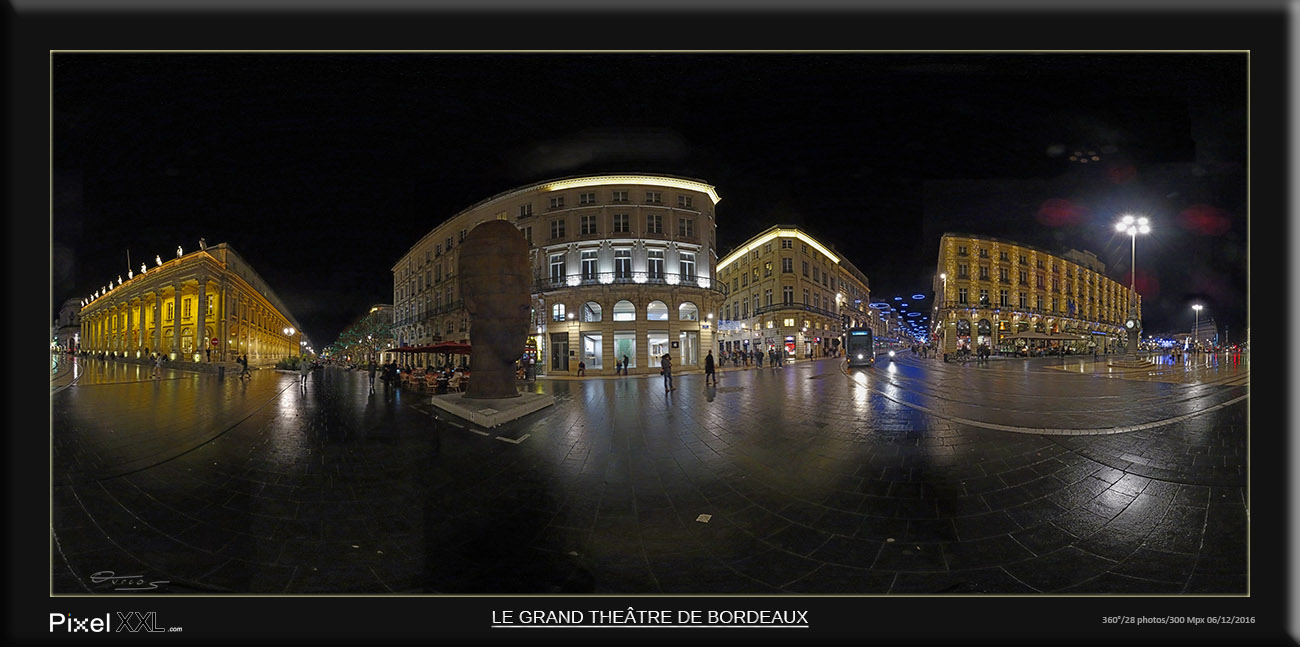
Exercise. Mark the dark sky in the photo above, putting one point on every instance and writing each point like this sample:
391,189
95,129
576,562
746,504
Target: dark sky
323,169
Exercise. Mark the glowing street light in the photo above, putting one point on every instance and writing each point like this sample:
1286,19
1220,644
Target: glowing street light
1196,328
1133,226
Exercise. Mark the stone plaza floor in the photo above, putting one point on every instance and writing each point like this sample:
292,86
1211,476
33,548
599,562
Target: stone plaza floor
910,477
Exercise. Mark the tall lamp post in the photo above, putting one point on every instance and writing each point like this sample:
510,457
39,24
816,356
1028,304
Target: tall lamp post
1133,226
943,300
1197,326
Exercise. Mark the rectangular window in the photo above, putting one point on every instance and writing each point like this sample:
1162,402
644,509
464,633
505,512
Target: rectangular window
767,297
528,233
817,274
588,224
557,268
1023,260
623,263
984,297
767,269
588,265
525,210
621,223
687,260
1004,274
686,227
961,250
654,223
1040,281
684,201
754,274
618,196
1023,303
1039,301
787,295
786,243
654,197
557,202
557,229
787,266
1024,277
744,279
805,296
592,349
625,346
1004,299
655,266
805,268
984,272
209,311
984,253
961,295
586,198
186,308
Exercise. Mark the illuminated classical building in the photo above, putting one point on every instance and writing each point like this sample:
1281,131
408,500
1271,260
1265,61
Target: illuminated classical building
622,264
210,298
1011,295
786,289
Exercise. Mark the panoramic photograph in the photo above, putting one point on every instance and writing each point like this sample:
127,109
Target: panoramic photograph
681,323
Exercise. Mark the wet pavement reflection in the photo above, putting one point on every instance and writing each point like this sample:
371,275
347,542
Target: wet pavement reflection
912,476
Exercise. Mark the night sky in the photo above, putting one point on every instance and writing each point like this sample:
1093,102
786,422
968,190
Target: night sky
323,169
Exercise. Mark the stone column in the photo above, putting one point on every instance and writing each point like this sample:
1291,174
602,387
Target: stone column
176,320
130,317
201,320
157,320
219,322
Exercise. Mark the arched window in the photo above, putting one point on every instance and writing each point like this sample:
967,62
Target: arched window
656,311
985,327
688,312
557,314
591,312
963,327
624,311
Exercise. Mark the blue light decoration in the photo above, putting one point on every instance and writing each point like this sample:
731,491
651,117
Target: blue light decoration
879,306
918,297
898,298
913,314
902,305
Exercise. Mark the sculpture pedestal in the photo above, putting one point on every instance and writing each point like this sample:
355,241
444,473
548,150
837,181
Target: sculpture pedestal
491,412
1130,363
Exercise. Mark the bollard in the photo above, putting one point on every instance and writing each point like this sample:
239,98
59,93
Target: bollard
221,372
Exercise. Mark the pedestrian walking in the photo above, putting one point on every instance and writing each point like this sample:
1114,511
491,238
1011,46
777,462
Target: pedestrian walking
625,364
666,368
243,361
373,368
709,373
758,358
304,367
157,365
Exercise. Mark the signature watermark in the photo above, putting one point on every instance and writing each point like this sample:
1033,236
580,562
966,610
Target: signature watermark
126,582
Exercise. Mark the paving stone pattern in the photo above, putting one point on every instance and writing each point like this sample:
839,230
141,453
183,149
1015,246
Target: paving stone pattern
817,479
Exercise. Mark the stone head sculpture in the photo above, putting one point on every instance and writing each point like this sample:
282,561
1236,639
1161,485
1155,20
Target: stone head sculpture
494,283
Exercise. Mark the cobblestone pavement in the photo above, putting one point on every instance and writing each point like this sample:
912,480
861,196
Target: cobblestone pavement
913,476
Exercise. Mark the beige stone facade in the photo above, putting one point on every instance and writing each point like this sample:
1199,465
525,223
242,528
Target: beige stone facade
786,289
1007,294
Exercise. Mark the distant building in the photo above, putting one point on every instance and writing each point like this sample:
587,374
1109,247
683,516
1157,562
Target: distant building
622,265
785,289
67,328
1010,295
207,299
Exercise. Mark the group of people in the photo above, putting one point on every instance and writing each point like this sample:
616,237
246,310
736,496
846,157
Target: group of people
744,358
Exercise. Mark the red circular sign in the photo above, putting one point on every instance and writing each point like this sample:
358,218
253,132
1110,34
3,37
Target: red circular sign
214,342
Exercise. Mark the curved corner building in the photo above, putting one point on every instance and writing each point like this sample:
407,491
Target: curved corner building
622,266
1013,296
786,289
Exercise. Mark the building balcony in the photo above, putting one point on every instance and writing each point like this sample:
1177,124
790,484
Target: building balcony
635,278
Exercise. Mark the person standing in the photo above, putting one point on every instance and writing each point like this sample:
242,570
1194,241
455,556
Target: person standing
626,363
758,358
373,368
157,365
243,361
666,367
709,373
304,367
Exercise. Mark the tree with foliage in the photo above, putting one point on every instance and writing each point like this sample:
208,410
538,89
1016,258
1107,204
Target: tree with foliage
363,340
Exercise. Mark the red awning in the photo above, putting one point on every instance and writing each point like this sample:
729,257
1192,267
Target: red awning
451,347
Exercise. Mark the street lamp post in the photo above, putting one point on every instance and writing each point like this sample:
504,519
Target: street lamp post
1133,226
1197,326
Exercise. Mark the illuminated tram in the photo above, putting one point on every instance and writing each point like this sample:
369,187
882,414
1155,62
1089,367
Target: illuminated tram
860,348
